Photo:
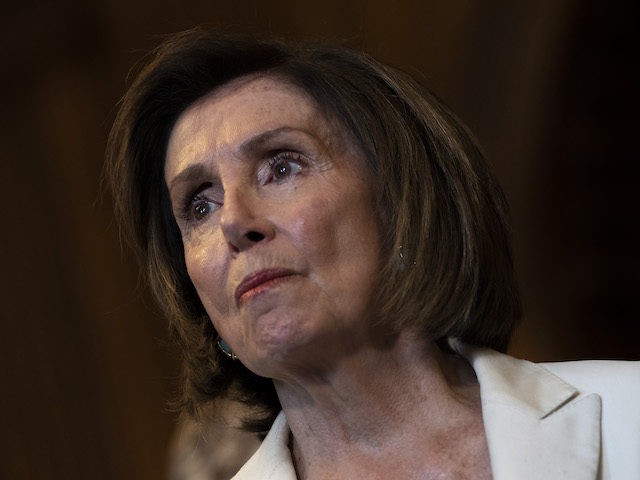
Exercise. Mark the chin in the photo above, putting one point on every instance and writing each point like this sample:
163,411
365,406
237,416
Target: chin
279,337
277,341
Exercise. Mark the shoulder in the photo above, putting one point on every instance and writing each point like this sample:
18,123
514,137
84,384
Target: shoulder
617,383
613,380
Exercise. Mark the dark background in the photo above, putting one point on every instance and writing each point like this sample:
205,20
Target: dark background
549,87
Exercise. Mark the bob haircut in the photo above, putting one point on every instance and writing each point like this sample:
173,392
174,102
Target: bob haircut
447,267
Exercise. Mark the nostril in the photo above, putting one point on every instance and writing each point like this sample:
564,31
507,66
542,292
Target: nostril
255,236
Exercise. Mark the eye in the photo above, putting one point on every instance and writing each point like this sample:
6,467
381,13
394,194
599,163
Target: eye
200,209
281,167
198,205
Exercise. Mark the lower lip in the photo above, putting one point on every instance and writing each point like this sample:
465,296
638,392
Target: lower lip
263,287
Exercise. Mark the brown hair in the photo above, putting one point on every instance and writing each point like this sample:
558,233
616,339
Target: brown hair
448,270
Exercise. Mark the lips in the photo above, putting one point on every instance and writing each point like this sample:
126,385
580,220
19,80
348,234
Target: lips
259,281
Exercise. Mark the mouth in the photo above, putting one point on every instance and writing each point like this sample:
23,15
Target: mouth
260,281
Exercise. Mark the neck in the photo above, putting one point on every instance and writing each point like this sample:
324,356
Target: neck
389,403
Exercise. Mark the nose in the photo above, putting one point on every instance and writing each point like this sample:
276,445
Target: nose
242,221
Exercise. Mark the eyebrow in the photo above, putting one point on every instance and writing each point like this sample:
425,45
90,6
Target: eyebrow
192,172
260,141
251,146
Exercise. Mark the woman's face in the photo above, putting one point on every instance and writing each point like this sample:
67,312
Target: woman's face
276,214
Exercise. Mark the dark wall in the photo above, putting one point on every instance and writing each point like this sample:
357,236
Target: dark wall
550,88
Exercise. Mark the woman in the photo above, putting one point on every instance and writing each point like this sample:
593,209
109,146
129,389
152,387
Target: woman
334,254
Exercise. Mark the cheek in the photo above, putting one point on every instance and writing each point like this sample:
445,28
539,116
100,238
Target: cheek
314,230
206,271
197,265
341,233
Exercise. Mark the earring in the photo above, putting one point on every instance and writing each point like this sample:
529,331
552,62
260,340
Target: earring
226,349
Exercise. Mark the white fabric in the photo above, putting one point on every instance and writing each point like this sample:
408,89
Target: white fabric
272,460
569,421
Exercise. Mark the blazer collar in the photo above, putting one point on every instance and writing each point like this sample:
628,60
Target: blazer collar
272,460
537,425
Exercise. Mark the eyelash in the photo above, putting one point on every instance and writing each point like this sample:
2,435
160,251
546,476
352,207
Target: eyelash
293,160
284,157
192,201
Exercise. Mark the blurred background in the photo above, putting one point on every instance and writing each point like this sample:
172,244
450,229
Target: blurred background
549,87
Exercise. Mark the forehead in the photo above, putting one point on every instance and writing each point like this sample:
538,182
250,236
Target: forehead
252,97
240,110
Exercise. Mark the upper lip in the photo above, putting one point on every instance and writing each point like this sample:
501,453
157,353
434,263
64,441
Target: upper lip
259,277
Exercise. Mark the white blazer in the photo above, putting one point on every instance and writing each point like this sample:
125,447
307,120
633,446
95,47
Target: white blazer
553,421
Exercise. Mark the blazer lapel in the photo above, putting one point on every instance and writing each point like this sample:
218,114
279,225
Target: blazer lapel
537,425
272,460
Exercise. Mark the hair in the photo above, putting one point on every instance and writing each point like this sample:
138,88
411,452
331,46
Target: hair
447,268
